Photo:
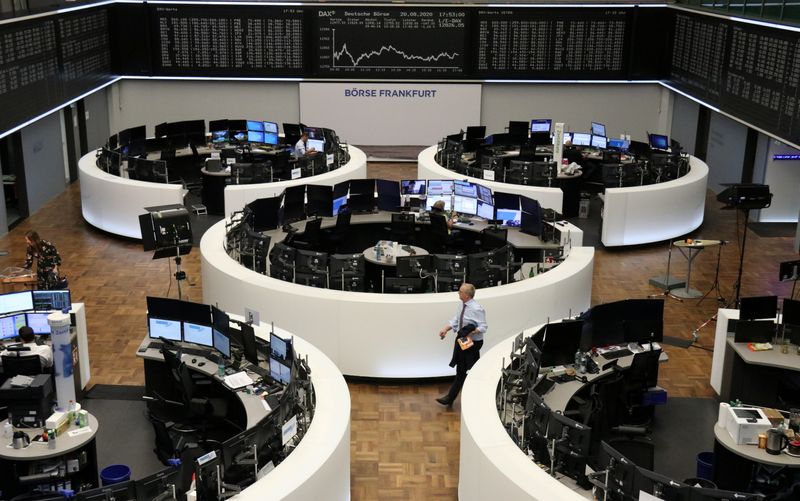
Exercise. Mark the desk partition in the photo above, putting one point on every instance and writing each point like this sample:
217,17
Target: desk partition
389,335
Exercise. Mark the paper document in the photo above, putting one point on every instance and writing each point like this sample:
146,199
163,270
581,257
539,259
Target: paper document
238,380
79,431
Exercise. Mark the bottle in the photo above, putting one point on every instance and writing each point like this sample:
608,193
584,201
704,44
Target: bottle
71,411
578,358
221,367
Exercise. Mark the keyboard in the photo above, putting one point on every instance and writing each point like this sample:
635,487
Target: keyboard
257,369
155,345
611,355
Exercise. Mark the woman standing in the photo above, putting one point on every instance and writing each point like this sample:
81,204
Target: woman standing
47,260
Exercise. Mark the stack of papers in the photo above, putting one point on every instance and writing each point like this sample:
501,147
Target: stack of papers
238,380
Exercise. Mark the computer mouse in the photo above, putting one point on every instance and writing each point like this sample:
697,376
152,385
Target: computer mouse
201,364
194,360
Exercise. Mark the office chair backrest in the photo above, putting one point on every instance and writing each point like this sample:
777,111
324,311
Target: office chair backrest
173,362
312,230
165,447
342,221
644,368
439,225
28,365
187,383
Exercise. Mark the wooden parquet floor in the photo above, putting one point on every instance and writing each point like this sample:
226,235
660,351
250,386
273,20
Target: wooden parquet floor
403,444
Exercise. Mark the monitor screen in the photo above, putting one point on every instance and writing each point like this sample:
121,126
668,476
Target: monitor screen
791,312
271,138
598,129
567,137
338,203
465,189
541,125
486,211
432,199
751,308
506,200
581,139
561,341
618,144
222,343
255,126
509,217
388,195
278,346
9,326
314,132
219,136
197,334
317,144
270,127
239,135
465,205
412,187
599,142
485,194
51,300
440,187
279,371
161,327
659,142
38,322
16,301
255,136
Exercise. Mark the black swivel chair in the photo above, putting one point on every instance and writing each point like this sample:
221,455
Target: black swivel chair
493,238
638,378
28,365
309,239
341,231
402,227
202,408
440,233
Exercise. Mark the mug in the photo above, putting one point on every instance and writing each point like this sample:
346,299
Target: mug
794,447
776,441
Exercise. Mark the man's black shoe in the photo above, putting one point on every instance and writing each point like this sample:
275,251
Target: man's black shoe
444,401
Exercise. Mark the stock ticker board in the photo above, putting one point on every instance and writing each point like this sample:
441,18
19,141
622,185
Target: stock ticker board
552,43
390,42
84,50
228,41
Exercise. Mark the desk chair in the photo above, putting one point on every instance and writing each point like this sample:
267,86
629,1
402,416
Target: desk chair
309,239
638,378
341,230
176,446
28,365
197,406
440,233
493,238
402,227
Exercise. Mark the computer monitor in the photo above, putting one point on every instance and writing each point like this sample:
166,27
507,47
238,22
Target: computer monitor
164,485
338,204
308,261
618,144
541,125
414,266
622,472
265,214
465,205
607,324
122,491
485,210
9,326
660,486
279,371
255,136
465,189
279,348
255,126
38,322
320,200
397,285
440,187
572,435
16,301
581,139
449,264
562,340
506,200
221,341
388,195
294,203
346,263
198,334
219,137
249,346
751,308
598,129
658,141
362,195
412,187
790,312
164,328
531,222
484,194
476,131
432,199
317,144
754,331
216,125
643,320
164,307
220,320
600,142
271,138
536,425
567,137
207,475
509,217
59,300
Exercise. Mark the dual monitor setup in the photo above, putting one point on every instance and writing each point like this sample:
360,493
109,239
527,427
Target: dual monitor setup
31,308
757,320
199,324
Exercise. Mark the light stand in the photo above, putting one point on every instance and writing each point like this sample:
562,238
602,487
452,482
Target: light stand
667,291
737,286
180,275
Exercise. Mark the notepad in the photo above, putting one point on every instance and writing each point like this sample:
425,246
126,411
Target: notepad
238,380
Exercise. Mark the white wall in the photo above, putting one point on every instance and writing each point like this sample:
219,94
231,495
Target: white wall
630,108
726,143
43,154
783,178
684,122
151,102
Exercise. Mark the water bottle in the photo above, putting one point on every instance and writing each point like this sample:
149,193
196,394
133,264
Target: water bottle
578,359
221,367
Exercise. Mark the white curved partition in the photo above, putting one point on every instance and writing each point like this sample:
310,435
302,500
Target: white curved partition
113,203
428,168
319,467
655,212
390,335
238,196
492,466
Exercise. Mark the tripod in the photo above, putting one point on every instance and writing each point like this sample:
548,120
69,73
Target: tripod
667,290
715,286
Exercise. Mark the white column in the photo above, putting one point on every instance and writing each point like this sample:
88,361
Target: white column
62,358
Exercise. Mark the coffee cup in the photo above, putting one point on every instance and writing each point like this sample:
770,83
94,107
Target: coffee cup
794,447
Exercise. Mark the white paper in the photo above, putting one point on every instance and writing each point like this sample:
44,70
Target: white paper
289,430
296,173
266,405
643,496
238,380
488,174
79,431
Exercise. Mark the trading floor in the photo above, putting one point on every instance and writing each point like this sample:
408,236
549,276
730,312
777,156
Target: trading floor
404,444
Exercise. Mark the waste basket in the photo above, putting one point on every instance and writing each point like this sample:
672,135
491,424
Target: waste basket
115,474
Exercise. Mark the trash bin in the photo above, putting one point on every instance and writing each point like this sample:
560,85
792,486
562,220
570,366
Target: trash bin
115,474
705,465
583,208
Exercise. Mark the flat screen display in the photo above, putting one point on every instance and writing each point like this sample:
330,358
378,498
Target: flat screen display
9,326
38,322
541,125
161,327
412,187
484,194
271,138
581,139
16,301
277,346
598,129
567,137
486,211
279,371
599,142
219,136
659,142
51,300
440,187
317,144
509,217
619,144
222,343
255,136
255,126
338,203
466,205
432,199
270,127
198,334
465,189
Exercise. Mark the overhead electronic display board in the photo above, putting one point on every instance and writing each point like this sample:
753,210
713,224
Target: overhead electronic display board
234,40
553,43
390,42
749,71
84,50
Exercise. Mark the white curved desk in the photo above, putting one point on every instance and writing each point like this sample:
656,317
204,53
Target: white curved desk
492,466
390,335
113,203
655,212
428,168
237,196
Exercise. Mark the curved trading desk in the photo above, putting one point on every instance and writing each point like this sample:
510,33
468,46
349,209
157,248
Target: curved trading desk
389,335
428,168
114,203
318,468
